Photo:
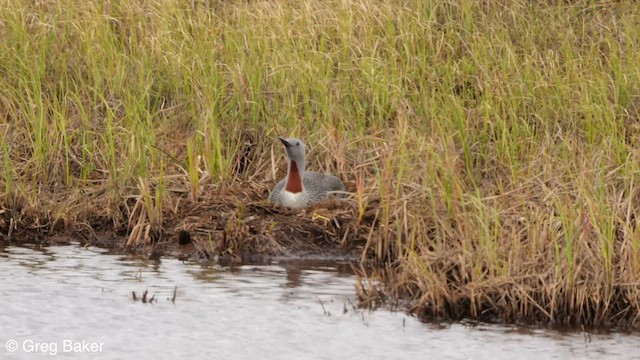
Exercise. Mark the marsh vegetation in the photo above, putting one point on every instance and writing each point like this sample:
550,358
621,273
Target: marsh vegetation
491,147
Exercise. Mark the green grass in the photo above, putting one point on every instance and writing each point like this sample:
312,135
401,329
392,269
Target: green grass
497,142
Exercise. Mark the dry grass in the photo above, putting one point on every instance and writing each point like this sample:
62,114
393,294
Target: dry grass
491,147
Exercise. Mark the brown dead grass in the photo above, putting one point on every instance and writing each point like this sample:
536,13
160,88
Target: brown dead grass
238,221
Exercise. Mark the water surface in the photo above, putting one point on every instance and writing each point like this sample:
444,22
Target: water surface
77,302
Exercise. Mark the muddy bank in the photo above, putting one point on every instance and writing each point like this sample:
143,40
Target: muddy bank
222,223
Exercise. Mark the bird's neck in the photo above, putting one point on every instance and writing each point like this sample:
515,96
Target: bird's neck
294,177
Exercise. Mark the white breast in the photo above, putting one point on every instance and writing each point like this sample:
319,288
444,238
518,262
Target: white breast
293,200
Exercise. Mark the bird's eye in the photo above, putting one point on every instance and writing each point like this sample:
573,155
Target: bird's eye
298,144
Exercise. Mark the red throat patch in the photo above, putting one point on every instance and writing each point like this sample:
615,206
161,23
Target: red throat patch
294,182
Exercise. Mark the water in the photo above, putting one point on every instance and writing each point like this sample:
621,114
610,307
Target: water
77,302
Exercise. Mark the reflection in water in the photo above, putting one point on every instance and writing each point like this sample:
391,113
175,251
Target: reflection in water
280,309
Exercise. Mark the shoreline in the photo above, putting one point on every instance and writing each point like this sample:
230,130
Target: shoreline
384,284
215,225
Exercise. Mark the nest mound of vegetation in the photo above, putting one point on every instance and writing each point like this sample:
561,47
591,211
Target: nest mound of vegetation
232,223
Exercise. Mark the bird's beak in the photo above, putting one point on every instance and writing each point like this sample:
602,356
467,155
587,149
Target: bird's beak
284,142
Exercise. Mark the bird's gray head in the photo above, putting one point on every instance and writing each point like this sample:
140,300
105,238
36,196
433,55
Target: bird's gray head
295,149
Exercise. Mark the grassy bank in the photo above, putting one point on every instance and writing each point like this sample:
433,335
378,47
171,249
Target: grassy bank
491,147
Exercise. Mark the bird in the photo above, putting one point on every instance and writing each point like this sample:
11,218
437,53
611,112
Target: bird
302,188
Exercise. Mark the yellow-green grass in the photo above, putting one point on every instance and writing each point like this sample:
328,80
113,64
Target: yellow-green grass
494,142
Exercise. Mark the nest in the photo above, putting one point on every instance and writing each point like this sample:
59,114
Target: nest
221,222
